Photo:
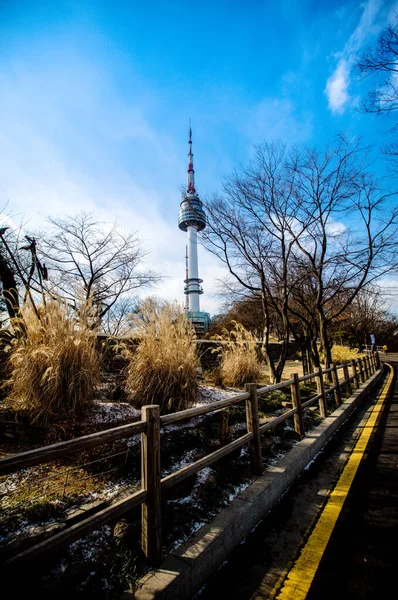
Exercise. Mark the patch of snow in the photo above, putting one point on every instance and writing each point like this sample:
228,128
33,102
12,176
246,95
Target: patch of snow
111,412
201,478
92,543
188,458
237,490
209,394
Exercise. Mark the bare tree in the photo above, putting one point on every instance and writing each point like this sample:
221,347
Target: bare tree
16,272
83,254
350,240
117,321
368,313
381,62
250,229
306,231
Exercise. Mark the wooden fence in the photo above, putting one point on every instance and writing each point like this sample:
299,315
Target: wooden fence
152,485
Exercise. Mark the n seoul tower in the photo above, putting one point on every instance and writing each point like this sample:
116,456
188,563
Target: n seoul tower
192,219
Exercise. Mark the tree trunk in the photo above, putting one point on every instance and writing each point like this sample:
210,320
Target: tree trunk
315,353
327,352
282,360
268,358
285,345
10,293
265,343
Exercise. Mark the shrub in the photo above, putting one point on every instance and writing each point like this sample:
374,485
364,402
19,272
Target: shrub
342,354
54,367
239,363
163,369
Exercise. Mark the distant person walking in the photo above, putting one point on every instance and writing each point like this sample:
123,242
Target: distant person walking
385,348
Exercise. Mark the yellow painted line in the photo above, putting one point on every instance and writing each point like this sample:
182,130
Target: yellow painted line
300,577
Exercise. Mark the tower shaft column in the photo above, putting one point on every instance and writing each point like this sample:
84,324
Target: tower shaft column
193,270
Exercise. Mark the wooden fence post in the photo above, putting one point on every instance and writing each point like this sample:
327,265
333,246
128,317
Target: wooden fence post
321,390
370,364
335,380
151,526
367,374
347,378
253,427
296,401
355,372
377,359
365,369
361,370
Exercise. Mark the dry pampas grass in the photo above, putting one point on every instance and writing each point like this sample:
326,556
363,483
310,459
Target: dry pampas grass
163,369
239,362
54,364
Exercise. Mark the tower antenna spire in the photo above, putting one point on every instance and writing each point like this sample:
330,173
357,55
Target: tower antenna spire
190,172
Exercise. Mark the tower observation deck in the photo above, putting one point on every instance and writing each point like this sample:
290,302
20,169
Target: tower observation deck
192,219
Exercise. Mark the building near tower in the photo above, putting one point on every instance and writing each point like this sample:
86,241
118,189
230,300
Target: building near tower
192,219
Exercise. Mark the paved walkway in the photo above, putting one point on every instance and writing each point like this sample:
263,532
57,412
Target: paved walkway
361,558
361,554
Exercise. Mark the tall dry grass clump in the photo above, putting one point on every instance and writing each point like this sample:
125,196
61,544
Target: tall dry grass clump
164,368
239,362
55,366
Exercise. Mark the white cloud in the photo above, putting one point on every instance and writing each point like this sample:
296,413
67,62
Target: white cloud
337,86
389,288
339,81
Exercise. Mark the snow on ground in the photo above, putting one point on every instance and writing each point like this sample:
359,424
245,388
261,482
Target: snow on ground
209,394
111,412
115,412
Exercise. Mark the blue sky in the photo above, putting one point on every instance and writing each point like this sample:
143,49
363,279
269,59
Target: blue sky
96,98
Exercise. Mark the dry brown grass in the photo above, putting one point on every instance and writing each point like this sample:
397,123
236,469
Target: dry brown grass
239,363
55,367
163,369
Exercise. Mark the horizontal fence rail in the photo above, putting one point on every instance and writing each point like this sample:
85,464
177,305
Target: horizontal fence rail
60,449
150,425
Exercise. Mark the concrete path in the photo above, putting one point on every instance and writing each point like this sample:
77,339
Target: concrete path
361,551
361,559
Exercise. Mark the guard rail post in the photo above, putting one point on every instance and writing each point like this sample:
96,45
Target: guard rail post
361,370
296,401
253,426
355,372
347,378
335,380
151,526
367,367
321,390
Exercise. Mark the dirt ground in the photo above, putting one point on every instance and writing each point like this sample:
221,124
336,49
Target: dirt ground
291,367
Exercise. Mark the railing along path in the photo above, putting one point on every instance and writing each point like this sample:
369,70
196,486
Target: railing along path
150,426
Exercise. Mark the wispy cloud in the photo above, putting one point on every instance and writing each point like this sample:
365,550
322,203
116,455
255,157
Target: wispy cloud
278,119
337,87
338,83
